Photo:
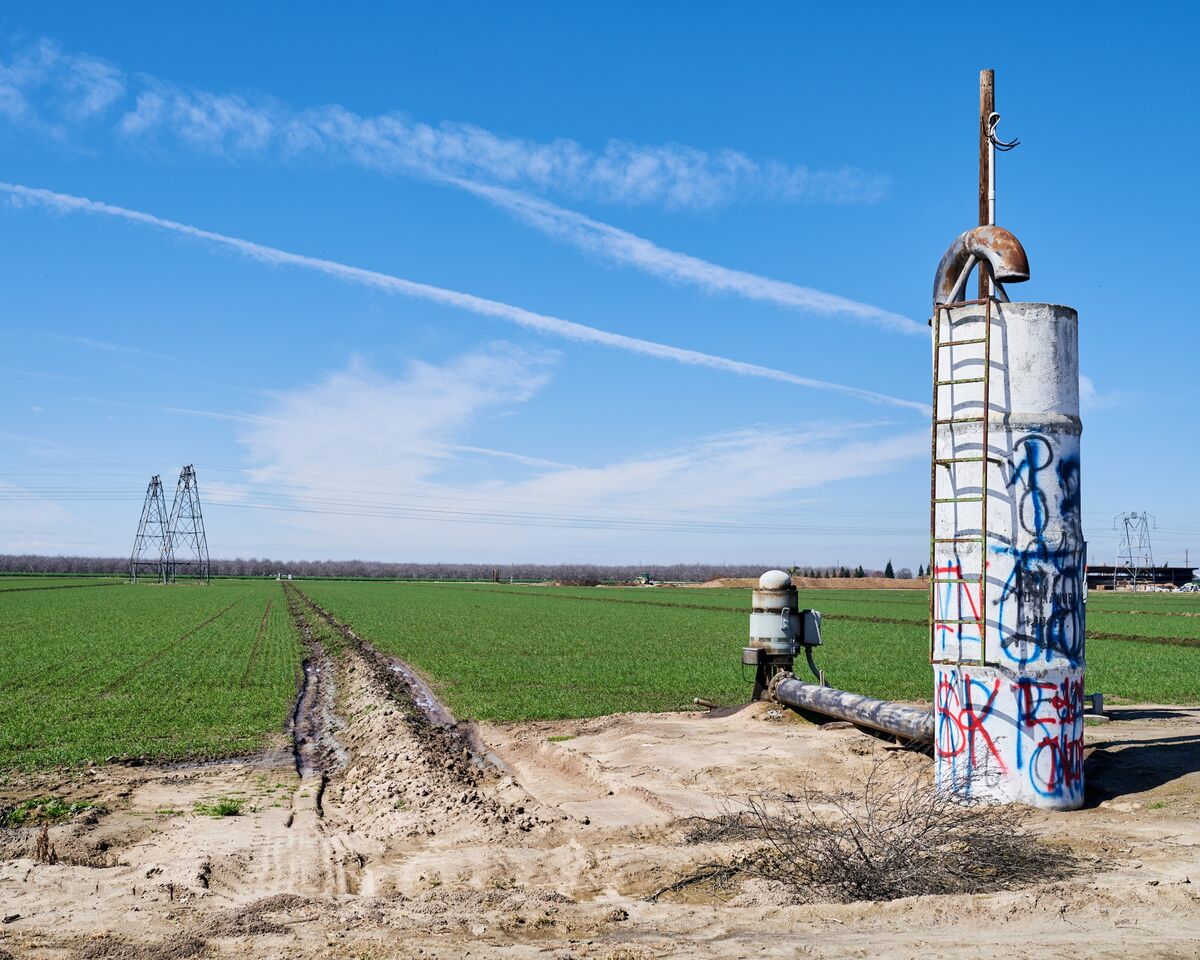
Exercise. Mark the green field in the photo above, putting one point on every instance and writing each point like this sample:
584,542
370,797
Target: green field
500,652
142,670
95,668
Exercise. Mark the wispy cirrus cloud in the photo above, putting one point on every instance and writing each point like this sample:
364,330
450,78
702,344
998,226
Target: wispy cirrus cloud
44,88
393,429
395,445
620,246
42,85
542,323
105,346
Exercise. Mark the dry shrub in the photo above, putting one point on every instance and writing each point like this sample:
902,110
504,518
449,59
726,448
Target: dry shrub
43,849
894,836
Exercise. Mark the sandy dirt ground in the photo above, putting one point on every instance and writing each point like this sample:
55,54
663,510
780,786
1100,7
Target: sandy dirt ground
388,834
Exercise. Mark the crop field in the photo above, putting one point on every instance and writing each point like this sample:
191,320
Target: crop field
501,652
95,668
141,670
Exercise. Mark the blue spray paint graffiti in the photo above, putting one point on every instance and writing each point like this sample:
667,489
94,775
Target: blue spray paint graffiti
1040,608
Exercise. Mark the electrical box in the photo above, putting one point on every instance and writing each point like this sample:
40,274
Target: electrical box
810,628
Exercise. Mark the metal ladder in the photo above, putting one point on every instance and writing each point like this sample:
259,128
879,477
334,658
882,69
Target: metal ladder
948,462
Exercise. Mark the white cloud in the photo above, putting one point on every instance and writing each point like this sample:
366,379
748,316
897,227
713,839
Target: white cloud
623,247
44,80
31,523
674,175
102,345
365,464
44,88
385,429
541,323
41,85
1092,399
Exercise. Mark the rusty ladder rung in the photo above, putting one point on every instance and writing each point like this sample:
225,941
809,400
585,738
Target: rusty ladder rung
962,343
950,383
978,499
947,460
960,580
960,420
958,539
974,620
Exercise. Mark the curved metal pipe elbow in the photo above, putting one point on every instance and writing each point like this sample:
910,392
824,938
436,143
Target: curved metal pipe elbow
997,246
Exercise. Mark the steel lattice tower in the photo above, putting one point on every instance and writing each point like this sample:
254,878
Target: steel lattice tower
188,544
152,545
1134,559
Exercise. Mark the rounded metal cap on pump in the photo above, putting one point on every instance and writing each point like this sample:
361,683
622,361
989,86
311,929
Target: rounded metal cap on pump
774,619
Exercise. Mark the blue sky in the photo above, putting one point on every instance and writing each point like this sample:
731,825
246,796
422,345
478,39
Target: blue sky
566,282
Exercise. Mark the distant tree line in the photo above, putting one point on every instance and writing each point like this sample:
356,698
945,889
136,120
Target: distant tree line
375,569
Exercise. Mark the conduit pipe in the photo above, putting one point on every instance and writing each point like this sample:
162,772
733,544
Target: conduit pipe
897,719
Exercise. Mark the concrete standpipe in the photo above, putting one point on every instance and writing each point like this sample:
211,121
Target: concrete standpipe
1007,581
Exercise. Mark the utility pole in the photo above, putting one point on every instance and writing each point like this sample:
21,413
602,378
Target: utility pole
1135,559
189,545
152,545
987,158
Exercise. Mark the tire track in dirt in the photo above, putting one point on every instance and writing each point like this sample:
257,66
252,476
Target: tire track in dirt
254,650
1136,638
441,737
61,586
128,675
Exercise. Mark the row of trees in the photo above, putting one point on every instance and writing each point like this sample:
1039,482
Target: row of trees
372,569
904,573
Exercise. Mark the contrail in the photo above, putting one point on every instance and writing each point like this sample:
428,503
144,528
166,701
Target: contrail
621,246
554,326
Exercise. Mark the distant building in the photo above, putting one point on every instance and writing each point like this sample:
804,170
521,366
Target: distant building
1164,576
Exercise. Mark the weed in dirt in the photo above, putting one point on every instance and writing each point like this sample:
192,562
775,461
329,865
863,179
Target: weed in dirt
222,807
894,836
561,738
43,849
43,810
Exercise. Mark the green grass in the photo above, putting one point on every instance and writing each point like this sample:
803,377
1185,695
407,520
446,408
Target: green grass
38,810
501,652
222,807
143,670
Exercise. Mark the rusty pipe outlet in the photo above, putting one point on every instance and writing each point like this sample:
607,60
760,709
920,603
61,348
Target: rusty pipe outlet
1002,251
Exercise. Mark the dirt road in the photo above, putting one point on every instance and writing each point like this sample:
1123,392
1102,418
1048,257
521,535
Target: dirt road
392,835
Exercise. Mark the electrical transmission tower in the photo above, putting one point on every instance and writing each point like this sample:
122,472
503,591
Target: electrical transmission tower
1135,561
152,546
188,546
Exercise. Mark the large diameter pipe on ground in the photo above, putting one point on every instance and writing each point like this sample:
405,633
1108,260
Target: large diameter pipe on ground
909,723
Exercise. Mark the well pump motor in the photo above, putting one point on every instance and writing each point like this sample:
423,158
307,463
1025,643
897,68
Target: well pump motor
778,629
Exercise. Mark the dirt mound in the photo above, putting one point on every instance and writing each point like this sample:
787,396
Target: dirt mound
824,583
